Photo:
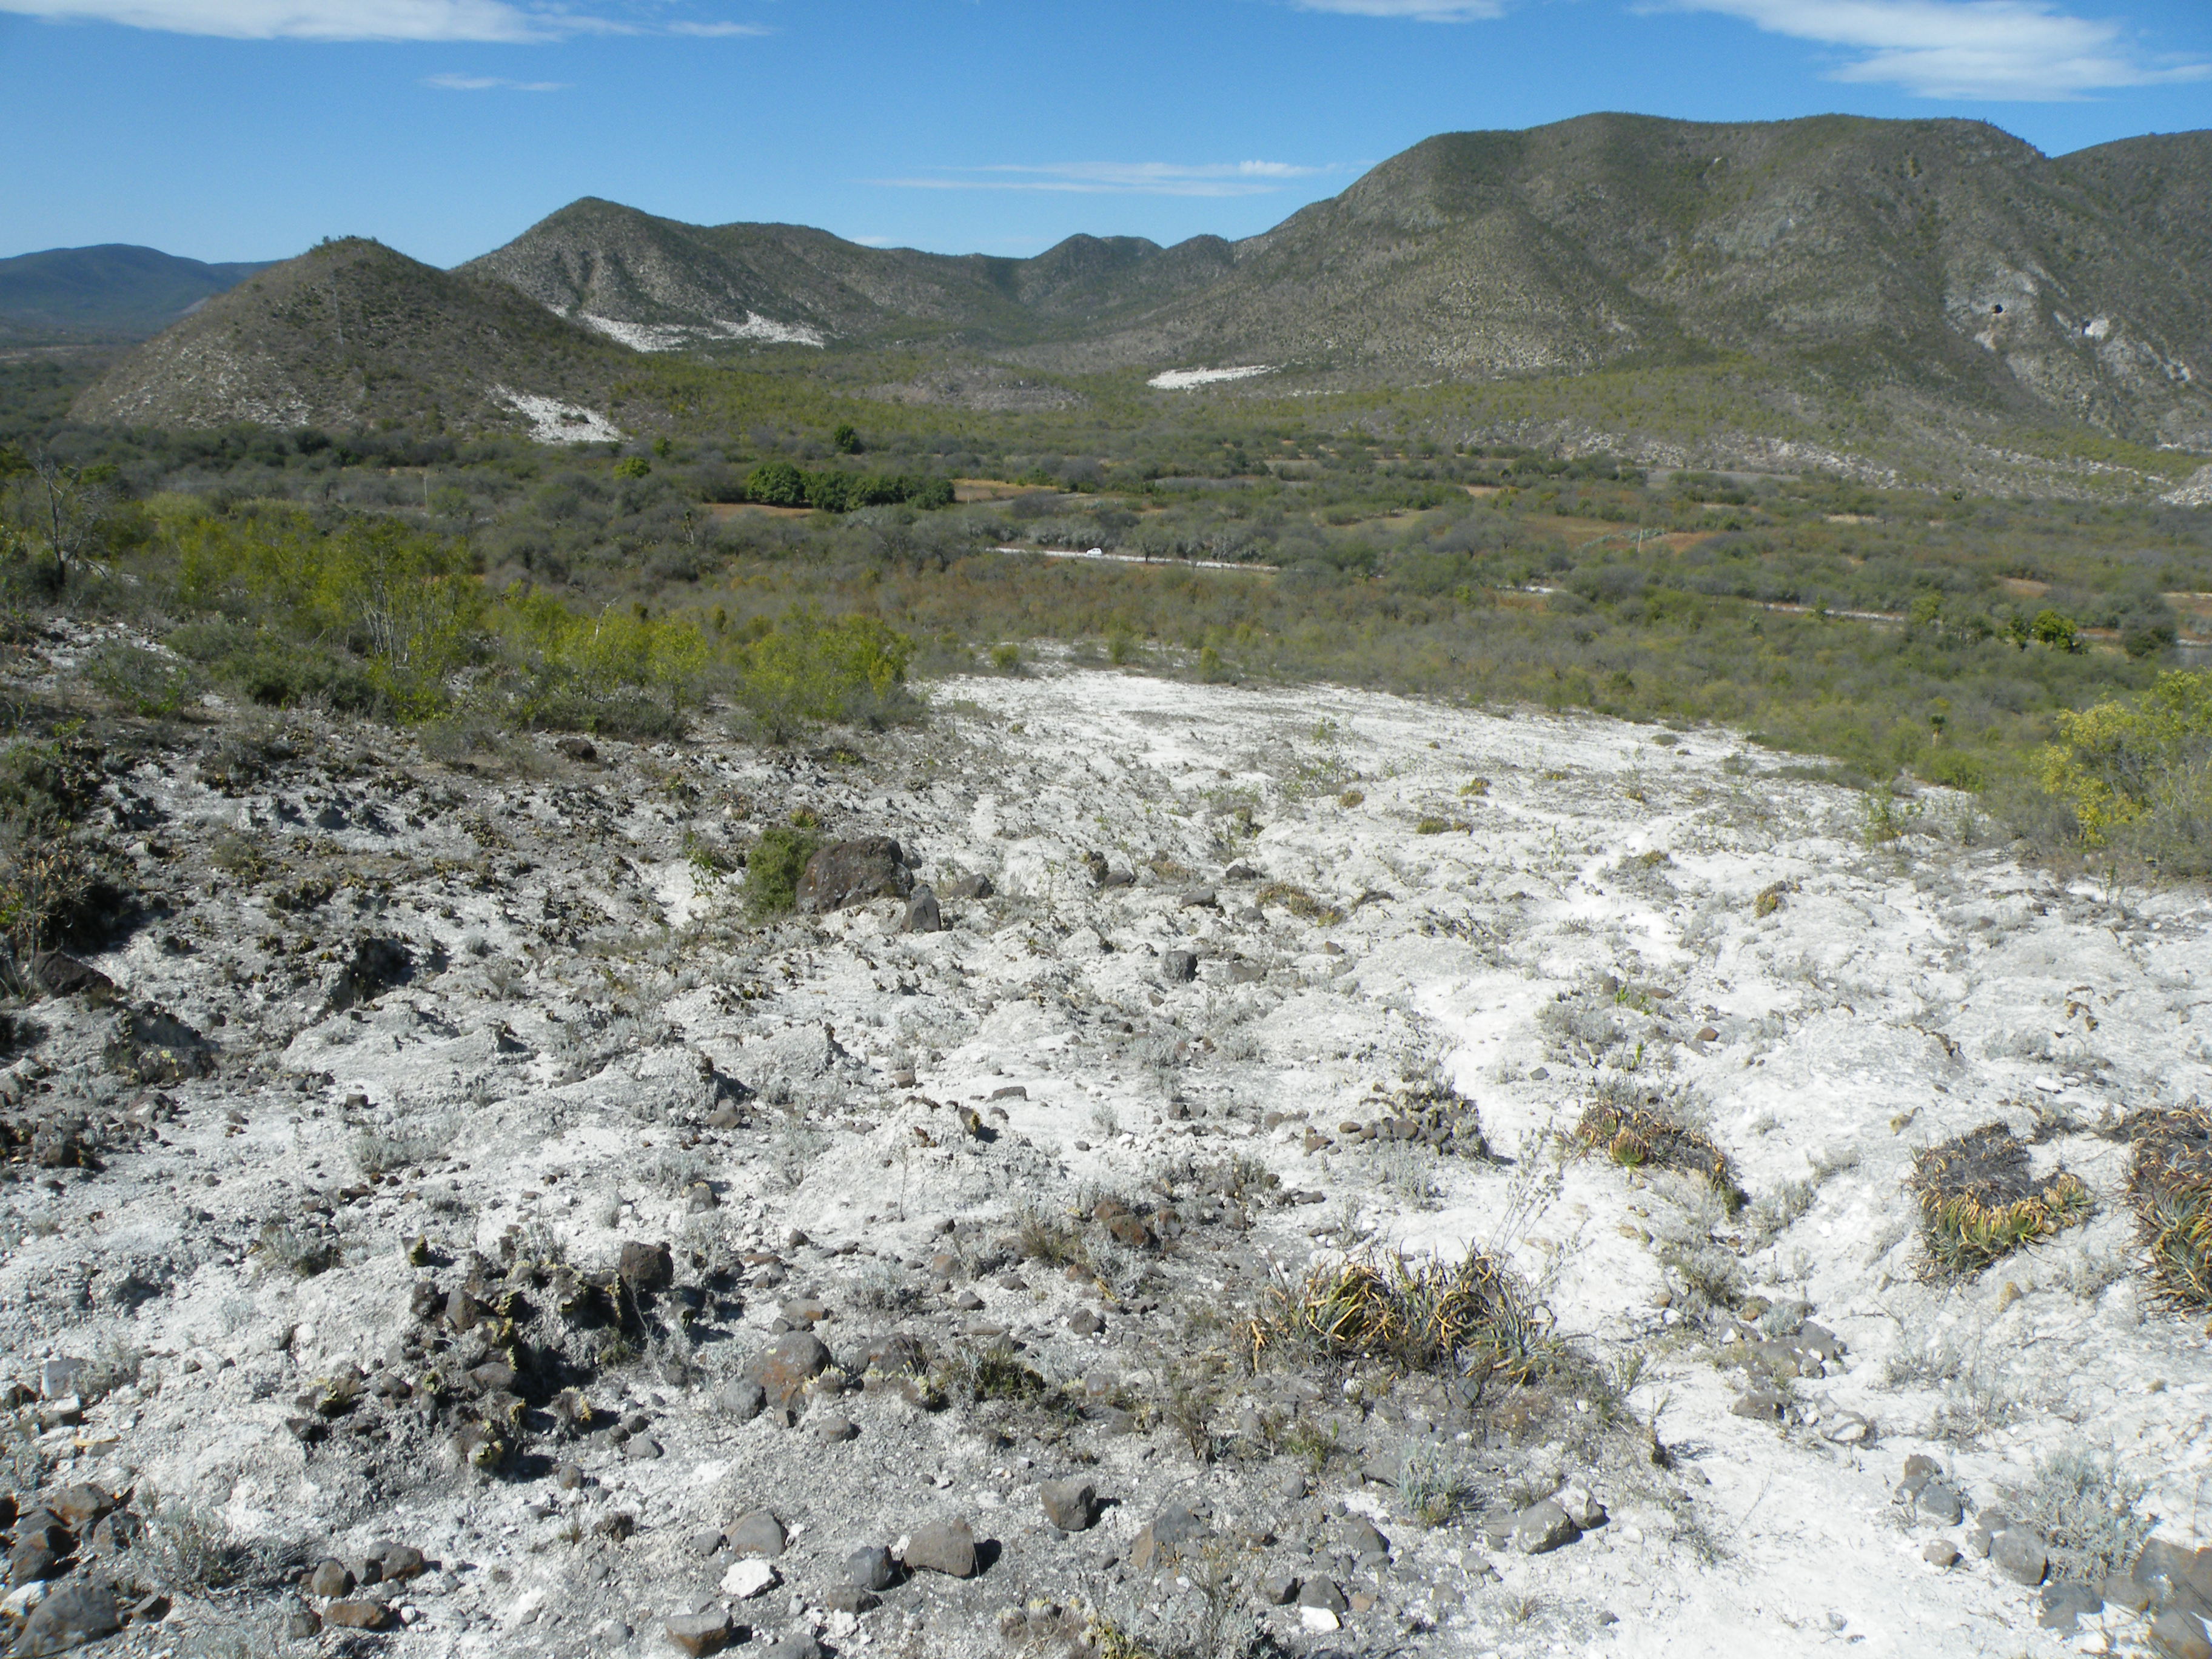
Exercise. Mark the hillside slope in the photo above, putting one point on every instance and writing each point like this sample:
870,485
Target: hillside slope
1940,261
352,333
114,288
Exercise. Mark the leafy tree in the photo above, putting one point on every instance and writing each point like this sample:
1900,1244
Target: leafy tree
846,440
2057,630
777,483
633,466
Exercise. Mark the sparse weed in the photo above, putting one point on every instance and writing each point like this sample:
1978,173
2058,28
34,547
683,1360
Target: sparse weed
299,1251
1432,1484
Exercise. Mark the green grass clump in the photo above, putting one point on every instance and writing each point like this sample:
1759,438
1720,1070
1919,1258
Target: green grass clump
774,867
1979,1200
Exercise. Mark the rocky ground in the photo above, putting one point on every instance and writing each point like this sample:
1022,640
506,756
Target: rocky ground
442,1222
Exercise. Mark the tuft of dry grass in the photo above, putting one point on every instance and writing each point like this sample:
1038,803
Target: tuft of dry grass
2170,1186
1979,1200
1299,902
1472,1318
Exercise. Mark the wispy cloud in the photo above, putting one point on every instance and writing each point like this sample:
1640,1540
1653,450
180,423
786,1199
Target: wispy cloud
1981,49
1421,11
496,20
490,83
1122,178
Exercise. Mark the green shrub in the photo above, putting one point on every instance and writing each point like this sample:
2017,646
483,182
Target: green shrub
1979,1200
148,682
773,868
807,671
2138,774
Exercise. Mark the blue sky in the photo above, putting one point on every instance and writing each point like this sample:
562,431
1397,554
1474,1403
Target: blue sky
248,129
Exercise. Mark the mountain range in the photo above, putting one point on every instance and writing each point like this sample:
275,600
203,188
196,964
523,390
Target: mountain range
115,289
1939,268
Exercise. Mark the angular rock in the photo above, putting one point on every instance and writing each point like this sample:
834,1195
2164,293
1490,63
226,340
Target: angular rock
1178,967
1071,1504
60,974
1278,1587
79,1506
1584,1511
581,750
2064,1601
2018,1554
746,1579
1164,1538
834,1430
2175,1634
699,1633
801,1646
744,1398
795,1359
1361,1539
946,1547
71,1616
1541,1527
850,1598
969,887
851,873
759,1534
646,1267
871,1568
922,913
1941,1503
1761,1405
328,1578
358,1612
1324,1593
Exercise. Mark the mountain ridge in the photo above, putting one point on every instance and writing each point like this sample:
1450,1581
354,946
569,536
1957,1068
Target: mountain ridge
1929,272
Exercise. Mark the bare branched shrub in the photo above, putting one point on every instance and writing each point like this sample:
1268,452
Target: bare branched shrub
2084,1508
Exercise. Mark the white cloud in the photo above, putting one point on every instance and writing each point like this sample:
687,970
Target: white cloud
1123,178
362,20
1421,11
1983,49
490,83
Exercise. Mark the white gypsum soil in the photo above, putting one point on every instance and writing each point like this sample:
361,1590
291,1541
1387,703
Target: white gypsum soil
588,1046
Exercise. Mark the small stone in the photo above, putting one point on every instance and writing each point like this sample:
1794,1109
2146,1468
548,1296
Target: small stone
302,1622
582,750
1761,1405
2018,1554
748,1578
922,913
744,1398
1941,1502
1178,967
71,1616
871,1568
759,1534
1279,1586
834,1430
329,1578
357,1613
701,1199
946,1547
1085,1321
640,1449
1069,1504
1919,1470
800,1646
400,1562
699,1633
850,1599
1320,1619
1940,1552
